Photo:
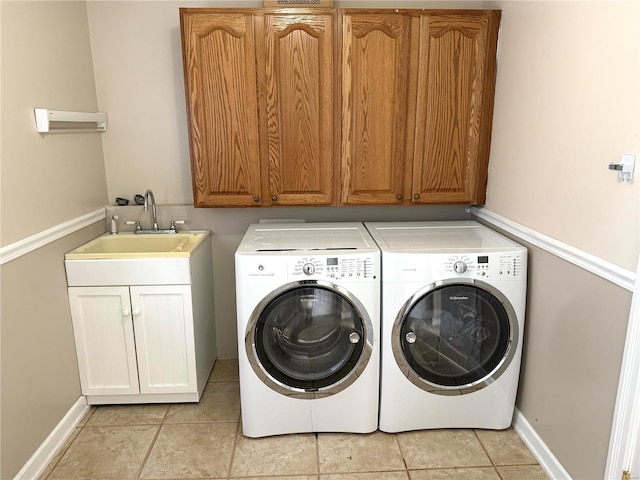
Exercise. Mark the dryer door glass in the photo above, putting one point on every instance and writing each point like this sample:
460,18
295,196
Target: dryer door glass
456,335
309,337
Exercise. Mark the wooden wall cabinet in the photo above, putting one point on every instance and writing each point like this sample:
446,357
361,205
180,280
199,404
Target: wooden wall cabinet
454,107
260,99
339,107
417,105
221,89
375,60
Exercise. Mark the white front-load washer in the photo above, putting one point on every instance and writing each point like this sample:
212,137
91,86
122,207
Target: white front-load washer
453,306
308,317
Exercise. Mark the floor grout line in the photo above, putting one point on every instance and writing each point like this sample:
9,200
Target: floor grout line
151,445
229,407
233,447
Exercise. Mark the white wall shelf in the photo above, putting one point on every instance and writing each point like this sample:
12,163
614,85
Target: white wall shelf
59,120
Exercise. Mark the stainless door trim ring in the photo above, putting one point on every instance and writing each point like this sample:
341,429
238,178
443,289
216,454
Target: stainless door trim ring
495,373
301,393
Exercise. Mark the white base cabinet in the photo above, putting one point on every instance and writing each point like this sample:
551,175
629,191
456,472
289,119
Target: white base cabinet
145,343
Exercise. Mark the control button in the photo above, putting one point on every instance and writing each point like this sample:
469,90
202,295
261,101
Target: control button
460,267
309,268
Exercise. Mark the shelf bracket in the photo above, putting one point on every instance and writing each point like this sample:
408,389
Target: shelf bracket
59,120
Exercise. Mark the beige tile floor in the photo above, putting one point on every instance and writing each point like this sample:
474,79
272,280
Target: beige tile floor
204,441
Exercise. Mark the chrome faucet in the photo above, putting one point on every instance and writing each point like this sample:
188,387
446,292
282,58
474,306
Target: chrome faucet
154,212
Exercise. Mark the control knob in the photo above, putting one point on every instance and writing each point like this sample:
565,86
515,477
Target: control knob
309,268
460,267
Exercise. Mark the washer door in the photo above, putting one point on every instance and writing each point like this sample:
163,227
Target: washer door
309,339
455,336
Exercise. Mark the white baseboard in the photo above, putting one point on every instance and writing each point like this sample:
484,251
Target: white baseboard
609,271
47,450
549,463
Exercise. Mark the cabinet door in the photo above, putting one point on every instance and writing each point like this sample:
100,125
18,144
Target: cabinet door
296,67
456,79
375,67
163,323
104,340
220,82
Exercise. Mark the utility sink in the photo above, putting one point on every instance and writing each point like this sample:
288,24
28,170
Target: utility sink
130,245
135,259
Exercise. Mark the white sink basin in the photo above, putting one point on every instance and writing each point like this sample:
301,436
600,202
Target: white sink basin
129,245
135,259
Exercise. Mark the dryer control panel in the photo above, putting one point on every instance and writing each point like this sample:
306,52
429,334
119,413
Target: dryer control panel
496,265
335,268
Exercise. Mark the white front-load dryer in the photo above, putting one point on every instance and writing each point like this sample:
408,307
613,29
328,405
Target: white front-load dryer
453,306
308,318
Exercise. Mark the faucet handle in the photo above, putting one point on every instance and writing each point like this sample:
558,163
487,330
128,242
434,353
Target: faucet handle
137,224
173,224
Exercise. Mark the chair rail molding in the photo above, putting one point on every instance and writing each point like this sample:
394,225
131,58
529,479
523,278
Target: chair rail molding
33,242
609,271
624,448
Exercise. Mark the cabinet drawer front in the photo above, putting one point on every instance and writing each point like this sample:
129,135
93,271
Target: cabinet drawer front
104,340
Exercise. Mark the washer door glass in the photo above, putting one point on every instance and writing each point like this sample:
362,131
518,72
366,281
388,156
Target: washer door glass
455,336
310,337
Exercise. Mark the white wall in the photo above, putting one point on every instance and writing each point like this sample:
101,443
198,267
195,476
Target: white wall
567,104
47,179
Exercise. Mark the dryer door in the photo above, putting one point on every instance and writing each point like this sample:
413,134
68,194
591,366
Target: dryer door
309,339
455,337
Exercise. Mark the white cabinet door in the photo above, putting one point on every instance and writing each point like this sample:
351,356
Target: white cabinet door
163,324
104,340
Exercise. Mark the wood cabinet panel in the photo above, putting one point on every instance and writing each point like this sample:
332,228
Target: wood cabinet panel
220,75
397,112
374,107
299,98
455,107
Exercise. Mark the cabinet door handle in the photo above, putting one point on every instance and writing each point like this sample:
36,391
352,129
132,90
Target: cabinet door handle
136,312
274,198
416,196
399,197
125,313
256,199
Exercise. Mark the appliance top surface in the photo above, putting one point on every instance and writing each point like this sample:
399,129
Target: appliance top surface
301,237
439,237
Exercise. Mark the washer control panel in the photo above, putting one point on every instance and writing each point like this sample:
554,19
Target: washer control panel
335,268
496,265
